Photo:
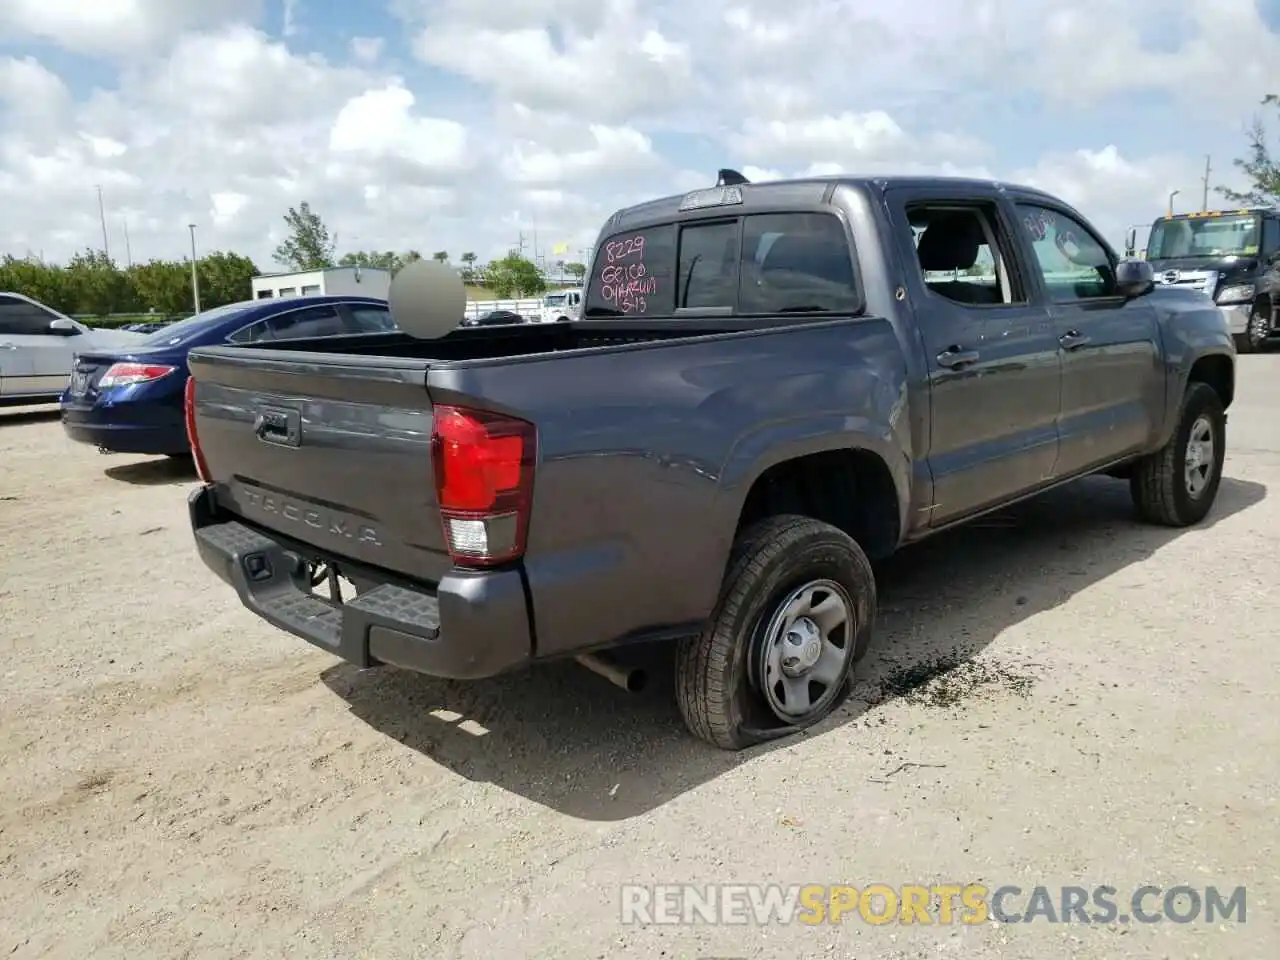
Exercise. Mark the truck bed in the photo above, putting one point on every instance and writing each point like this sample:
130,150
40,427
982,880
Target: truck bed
472,344
360,486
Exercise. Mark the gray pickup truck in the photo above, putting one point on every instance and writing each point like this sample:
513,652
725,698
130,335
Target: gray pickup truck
771,386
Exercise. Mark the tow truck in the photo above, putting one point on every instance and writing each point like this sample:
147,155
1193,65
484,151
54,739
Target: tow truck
559,307
1233,256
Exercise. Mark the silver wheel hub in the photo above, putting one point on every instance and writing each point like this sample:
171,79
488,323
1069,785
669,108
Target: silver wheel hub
802,647
804,650
1199,458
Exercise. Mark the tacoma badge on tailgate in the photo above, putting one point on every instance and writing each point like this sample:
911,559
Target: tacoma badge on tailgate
329,521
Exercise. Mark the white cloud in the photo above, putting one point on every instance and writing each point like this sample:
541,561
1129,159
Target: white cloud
610,60
116,27
367,49
614,151
544,116
380,125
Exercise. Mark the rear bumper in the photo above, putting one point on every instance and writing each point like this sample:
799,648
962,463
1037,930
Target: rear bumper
115,431
471,625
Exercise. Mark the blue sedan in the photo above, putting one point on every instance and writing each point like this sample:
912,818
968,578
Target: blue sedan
130,399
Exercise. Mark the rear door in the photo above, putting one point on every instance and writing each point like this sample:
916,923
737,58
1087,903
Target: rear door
33,359
992,352
1113,380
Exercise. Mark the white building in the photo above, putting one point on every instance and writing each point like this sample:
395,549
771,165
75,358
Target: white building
343,281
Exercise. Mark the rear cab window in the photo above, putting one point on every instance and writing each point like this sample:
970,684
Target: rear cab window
755,264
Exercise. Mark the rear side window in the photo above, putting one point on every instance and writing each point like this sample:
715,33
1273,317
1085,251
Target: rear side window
796,263
368,319
752,265
294,325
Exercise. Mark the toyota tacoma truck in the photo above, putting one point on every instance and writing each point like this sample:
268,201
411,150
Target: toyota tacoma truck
772,386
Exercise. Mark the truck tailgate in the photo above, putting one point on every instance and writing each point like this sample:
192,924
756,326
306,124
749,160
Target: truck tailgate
331,450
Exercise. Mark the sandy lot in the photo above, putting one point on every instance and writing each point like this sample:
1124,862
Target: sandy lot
179,779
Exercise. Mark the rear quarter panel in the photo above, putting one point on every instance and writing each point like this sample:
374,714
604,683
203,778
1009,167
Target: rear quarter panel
646,456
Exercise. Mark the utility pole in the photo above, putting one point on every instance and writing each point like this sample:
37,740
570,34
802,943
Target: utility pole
195,277
128,251
1172,194
1204,203
102,215
522,243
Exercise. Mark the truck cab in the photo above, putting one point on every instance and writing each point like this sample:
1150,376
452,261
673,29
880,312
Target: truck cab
560,306
1233,256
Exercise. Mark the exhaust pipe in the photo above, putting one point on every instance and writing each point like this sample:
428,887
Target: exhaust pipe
631,679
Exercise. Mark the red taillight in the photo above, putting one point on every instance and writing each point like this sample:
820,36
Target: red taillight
193,438
127,374
484,483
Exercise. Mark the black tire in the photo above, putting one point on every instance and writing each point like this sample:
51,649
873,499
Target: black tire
719,699
1254,338
1159,483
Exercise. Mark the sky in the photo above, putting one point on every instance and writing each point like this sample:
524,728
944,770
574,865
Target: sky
476,125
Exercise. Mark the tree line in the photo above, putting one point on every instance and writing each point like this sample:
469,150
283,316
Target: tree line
91,283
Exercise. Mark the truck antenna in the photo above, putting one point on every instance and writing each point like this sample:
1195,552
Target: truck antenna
730,178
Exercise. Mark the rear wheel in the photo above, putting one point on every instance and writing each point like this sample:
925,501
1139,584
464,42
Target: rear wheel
795,614
1176,485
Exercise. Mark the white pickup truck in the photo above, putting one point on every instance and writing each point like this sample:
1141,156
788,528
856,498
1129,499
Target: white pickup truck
560,306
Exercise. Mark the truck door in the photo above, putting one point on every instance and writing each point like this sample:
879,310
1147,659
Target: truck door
1268,285
1113,378
992,355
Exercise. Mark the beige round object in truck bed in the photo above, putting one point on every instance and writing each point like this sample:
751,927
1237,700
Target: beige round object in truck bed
427,299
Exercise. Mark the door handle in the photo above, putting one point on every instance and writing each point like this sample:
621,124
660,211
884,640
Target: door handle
954,357
1072,340
8,346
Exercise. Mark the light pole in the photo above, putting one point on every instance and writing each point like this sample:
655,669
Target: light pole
1172,194
195,277
102,215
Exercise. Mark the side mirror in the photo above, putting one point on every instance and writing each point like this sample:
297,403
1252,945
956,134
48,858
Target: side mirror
62,327
1134,278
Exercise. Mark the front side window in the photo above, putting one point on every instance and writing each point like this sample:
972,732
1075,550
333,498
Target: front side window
964,253
20,318
1270,237
1075,264
759,264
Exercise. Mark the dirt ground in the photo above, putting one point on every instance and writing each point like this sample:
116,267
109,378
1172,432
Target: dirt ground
1093,702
